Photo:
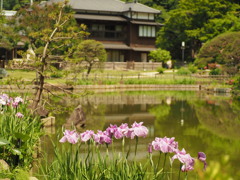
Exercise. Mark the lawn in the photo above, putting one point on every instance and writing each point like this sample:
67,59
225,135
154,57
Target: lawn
108,77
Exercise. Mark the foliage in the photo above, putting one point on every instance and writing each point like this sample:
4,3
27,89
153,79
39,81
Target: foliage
192,68
19,132
160,55
92,53
8,36
184,71
160,70
195,22
153,81
216,71
222,49
55,73
237,82
69,164
50,30
16,4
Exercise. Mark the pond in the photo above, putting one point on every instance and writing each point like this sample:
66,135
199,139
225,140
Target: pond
198,121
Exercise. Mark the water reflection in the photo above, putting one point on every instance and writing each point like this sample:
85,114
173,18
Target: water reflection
199,122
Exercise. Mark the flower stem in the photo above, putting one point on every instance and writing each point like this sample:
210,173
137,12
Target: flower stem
179,171
164,162
159,159
136,145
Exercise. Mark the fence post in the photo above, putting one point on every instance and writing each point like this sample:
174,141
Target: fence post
139,76
121,76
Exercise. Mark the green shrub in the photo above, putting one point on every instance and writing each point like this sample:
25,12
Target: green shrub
236,83
216,71
160,70
56,74
184,71
192,68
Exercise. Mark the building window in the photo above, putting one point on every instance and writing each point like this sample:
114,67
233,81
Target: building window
107,31
147,31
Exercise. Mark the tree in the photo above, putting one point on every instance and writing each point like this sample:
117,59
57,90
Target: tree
16,4
224,50
195,22
50,30
160,55
8,36
90,52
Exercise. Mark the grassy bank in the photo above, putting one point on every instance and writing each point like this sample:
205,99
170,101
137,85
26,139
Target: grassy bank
22,77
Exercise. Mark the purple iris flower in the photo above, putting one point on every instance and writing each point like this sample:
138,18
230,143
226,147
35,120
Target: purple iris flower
185,159
117,132
111,130
70,136
102,137
165,145
150,148
85,136
19,115
18,99
4,99
137,129
202,157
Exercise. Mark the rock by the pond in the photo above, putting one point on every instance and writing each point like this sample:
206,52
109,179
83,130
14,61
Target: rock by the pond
77,118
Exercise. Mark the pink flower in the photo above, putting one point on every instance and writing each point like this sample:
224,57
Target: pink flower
150,148
165,145
202,157
19,115
70,136
111,130
137,130
4,99
185,159
14,104
102,137
85,136
117,132
18,99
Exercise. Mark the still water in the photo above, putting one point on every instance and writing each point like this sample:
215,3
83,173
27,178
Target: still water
198,121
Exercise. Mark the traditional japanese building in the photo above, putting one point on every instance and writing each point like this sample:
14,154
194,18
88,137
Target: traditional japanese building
127,30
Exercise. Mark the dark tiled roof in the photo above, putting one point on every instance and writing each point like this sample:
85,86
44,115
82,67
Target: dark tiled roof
137,7
108,5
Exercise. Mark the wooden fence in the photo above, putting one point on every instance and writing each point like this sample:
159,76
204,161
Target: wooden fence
132,65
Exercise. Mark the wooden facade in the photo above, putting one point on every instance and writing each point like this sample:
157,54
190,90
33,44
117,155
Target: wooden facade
127,30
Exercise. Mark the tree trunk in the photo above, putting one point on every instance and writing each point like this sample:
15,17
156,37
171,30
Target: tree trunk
39,92
89,70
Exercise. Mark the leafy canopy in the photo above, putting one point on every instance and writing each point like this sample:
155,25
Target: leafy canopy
160,55
195,22
8,37
223,49
91,52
